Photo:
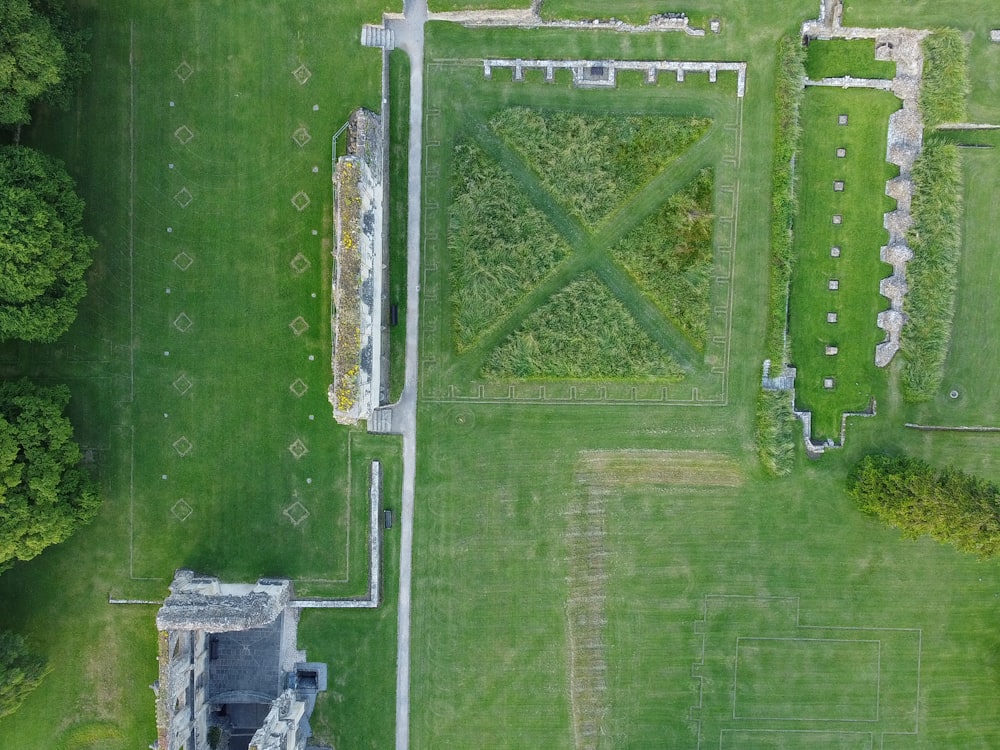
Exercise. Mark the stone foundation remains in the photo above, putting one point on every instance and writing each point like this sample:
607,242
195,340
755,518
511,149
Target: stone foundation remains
358,282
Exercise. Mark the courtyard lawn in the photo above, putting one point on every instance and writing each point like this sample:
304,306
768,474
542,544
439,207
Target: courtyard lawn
198,128
842,57
857,271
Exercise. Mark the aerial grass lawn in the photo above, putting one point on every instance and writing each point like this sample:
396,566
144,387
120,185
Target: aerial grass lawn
185,142
857,271
654,514
834,58
399,137
508,227
977,312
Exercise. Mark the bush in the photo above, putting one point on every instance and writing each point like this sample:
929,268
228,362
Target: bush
214,737
583,332
20,672
932,274
670,257
775,432
788,96
945,78
949,505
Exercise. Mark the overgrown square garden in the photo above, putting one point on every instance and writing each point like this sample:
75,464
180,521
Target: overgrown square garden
578,242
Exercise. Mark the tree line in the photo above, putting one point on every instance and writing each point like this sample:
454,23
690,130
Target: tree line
946,504
45,492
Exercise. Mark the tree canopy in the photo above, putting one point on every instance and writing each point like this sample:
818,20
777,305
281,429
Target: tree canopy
44,492
32,59
20,672
949,505
44,252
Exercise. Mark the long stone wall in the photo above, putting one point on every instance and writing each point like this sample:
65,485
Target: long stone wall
598,73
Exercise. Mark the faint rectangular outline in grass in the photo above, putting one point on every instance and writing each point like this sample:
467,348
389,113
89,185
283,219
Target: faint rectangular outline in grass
809,737
724,253
345,578
878,672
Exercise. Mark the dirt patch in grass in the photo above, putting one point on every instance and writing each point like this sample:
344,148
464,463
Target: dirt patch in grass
640,467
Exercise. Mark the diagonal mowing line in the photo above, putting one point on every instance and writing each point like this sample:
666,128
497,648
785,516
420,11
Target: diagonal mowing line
567,225
676,175
657,325
591,251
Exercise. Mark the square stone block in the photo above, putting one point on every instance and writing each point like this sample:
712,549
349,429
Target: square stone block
838,186
833,285
838,219
828,383
831,317
831,350
841,153
841,119
835,251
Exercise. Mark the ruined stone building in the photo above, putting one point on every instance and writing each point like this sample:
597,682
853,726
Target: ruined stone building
228,659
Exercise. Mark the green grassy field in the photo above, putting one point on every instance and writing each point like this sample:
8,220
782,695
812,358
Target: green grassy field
840,57
858,269
625,570
189,142
628,571
519,280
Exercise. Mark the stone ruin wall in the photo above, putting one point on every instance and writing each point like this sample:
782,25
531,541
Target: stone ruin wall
358,288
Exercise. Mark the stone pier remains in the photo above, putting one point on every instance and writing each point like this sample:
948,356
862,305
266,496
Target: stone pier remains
604,73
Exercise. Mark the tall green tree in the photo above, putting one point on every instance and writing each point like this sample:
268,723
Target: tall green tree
44,252
947,504
32,60
20,672
45,494
74,43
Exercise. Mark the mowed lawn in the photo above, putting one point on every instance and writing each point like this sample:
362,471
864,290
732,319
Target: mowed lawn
857,271
182,360
508,550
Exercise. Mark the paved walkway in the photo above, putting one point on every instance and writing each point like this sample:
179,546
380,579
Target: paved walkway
409,36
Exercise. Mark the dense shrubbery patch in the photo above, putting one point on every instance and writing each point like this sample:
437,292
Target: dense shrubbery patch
775,423
949,505
670,256
775,432
935,240
592,163
500,245
788,95
583,332
945,79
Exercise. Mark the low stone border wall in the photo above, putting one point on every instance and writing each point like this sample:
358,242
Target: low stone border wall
374,597
604,72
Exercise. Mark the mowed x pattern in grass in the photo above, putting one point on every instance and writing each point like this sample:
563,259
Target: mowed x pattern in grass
607,239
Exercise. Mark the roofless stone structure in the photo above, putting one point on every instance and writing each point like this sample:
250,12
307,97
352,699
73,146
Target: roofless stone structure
228,659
